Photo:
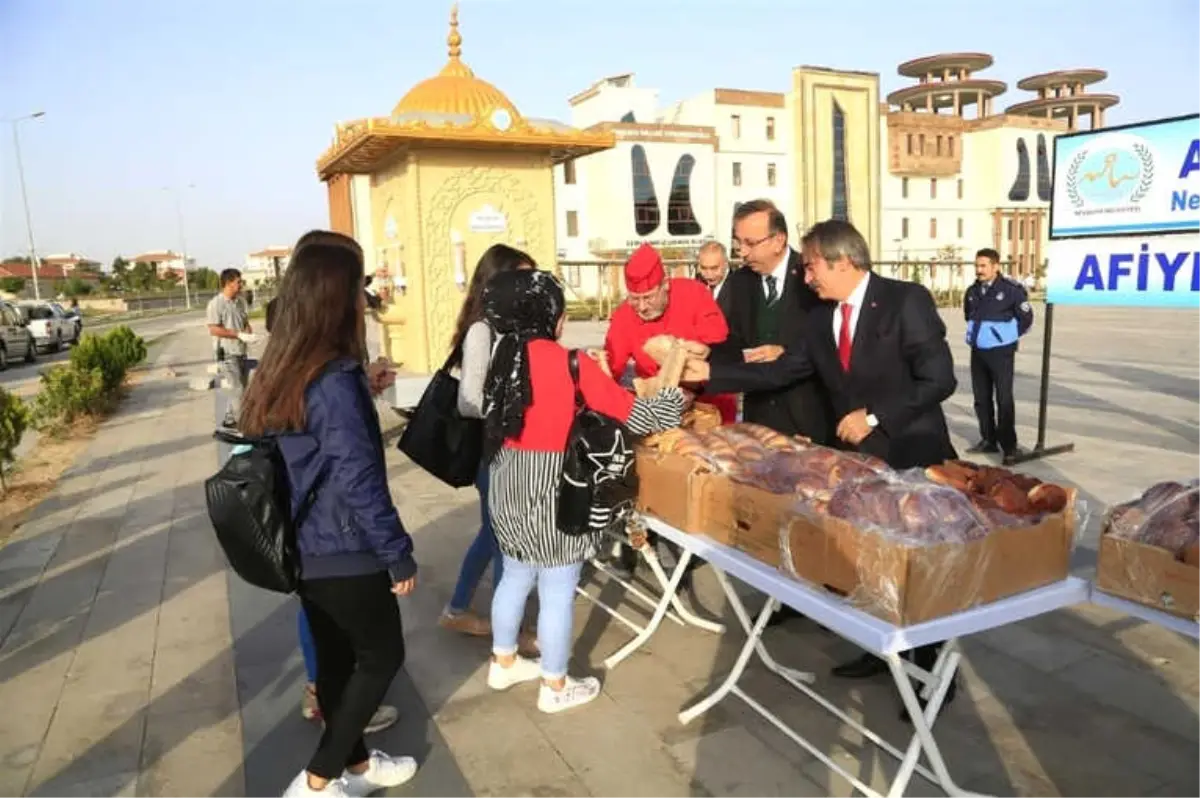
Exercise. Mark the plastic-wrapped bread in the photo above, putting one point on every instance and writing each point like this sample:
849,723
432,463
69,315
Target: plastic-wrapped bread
1166,515
764,435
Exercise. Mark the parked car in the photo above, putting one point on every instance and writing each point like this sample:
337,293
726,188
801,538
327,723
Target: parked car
50,327
73,315
16,341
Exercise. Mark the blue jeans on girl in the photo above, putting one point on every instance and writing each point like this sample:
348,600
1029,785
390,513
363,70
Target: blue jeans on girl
483,550
556,603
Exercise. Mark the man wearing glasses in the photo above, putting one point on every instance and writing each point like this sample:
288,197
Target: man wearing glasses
768,302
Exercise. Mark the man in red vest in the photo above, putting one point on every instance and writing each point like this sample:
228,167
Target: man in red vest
658,305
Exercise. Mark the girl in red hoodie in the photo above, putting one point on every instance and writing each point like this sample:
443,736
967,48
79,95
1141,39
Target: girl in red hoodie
529,406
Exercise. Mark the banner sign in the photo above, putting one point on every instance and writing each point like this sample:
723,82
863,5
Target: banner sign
1130,180
1157,271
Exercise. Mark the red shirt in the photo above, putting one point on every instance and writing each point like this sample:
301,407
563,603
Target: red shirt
691,314
550,414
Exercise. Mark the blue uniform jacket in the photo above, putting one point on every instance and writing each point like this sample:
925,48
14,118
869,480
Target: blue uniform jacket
352,527
997,315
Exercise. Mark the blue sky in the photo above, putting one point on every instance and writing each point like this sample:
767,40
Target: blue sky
239,98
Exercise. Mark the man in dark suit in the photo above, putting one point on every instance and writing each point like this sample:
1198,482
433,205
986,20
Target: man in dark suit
879,347
769,304
712,269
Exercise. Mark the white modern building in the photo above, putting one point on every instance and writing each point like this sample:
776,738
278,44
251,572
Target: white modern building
676,174
266,264
960,177
164,261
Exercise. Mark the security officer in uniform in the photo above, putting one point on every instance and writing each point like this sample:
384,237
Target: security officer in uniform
998,313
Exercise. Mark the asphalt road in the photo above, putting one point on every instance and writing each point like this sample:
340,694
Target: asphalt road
22,377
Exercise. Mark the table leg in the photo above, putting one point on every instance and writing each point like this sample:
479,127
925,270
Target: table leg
739,609
743,659
923,719
687,615
659,612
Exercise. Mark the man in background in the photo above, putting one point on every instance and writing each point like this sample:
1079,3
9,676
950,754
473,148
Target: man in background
229,326
998,313
712,269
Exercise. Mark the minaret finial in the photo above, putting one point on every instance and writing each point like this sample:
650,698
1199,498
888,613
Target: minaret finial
454,39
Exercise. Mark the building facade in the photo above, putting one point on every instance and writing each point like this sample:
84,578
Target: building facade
930,175
266,264
961,176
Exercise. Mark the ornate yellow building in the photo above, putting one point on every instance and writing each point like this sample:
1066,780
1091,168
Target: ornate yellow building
453,170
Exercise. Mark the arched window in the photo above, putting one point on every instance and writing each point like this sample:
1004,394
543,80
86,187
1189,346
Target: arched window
1020,187
1043,165
681,220
841,203
646,215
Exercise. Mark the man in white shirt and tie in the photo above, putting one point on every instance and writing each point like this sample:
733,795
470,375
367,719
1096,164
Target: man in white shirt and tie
712,269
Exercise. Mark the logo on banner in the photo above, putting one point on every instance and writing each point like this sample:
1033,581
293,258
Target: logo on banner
1115,177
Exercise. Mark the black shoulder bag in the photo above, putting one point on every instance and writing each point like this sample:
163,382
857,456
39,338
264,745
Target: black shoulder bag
599,483
440,439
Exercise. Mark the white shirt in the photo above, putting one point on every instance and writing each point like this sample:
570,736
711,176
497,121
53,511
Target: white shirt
716,289
780,274
855,301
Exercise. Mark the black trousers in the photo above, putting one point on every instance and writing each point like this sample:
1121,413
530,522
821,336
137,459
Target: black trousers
359,640
992,383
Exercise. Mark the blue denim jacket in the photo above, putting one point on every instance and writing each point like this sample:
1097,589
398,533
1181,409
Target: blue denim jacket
352,527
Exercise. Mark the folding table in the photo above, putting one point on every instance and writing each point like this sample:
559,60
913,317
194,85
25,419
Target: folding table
872,634
1157,617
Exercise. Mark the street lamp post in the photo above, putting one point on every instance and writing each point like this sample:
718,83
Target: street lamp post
187,294
33,258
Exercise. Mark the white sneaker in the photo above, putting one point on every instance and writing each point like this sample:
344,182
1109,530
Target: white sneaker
522,670
299,788
382,771
576,693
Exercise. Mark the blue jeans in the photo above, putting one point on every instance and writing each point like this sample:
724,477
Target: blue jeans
482,551
307,647
556,617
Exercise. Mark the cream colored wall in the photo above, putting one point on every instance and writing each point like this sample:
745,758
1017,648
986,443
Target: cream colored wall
432,196
811,101
360,204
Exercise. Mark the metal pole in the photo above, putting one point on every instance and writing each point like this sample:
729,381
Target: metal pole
33,258
187,294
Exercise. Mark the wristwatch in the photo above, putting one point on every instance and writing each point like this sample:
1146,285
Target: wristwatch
872,421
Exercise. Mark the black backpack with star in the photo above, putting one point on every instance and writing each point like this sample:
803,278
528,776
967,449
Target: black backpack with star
599,483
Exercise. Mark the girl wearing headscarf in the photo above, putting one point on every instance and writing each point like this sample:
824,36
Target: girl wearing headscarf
529,407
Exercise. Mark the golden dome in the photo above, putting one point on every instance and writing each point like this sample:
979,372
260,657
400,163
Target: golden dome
456,92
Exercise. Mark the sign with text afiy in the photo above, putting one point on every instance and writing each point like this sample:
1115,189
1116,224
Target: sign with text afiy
1149,271
1141,179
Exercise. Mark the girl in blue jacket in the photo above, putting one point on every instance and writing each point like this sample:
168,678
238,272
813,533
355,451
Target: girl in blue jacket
312,390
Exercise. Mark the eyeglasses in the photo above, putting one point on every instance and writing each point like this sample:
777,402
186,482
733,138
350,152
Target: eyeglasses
746,246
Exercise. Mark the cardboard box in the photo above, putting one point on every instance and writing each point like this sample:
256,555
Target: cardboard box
910,584
1148,575
756,520
684,494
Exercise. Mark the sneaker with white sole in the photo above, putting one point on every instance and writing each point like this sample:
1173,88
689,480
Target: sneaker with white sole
384,717
382,771
522,670
299,788
575,693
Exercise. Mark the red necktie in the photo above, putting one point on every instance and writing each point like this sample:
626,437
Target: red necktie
844,342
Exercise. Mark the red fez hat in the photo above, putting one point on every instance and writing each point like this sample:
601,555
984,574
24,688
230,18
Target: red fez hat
644,270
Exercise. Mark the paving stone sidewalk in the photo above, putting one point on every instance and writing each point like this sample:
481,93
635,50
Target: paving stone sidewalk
131,662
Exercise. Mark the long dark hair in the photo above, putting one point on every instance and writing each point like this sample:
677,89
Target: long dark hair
498,258
319,319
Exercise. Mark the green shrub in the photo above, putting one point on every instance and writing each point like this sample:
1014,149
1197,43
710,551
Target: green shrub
88,384
127,346
112,354
14,419
68,393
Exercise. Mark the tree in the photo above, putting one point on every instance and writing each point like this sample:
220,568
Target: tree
204,279
120,272
12,285
76,286
141,277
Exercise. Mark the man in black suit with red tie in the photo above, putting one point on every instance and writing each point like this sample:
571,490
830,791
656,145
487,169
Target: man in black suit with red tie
879,347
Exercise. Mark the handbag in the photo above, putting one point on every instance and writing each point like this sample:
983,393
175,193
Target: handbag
438,438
